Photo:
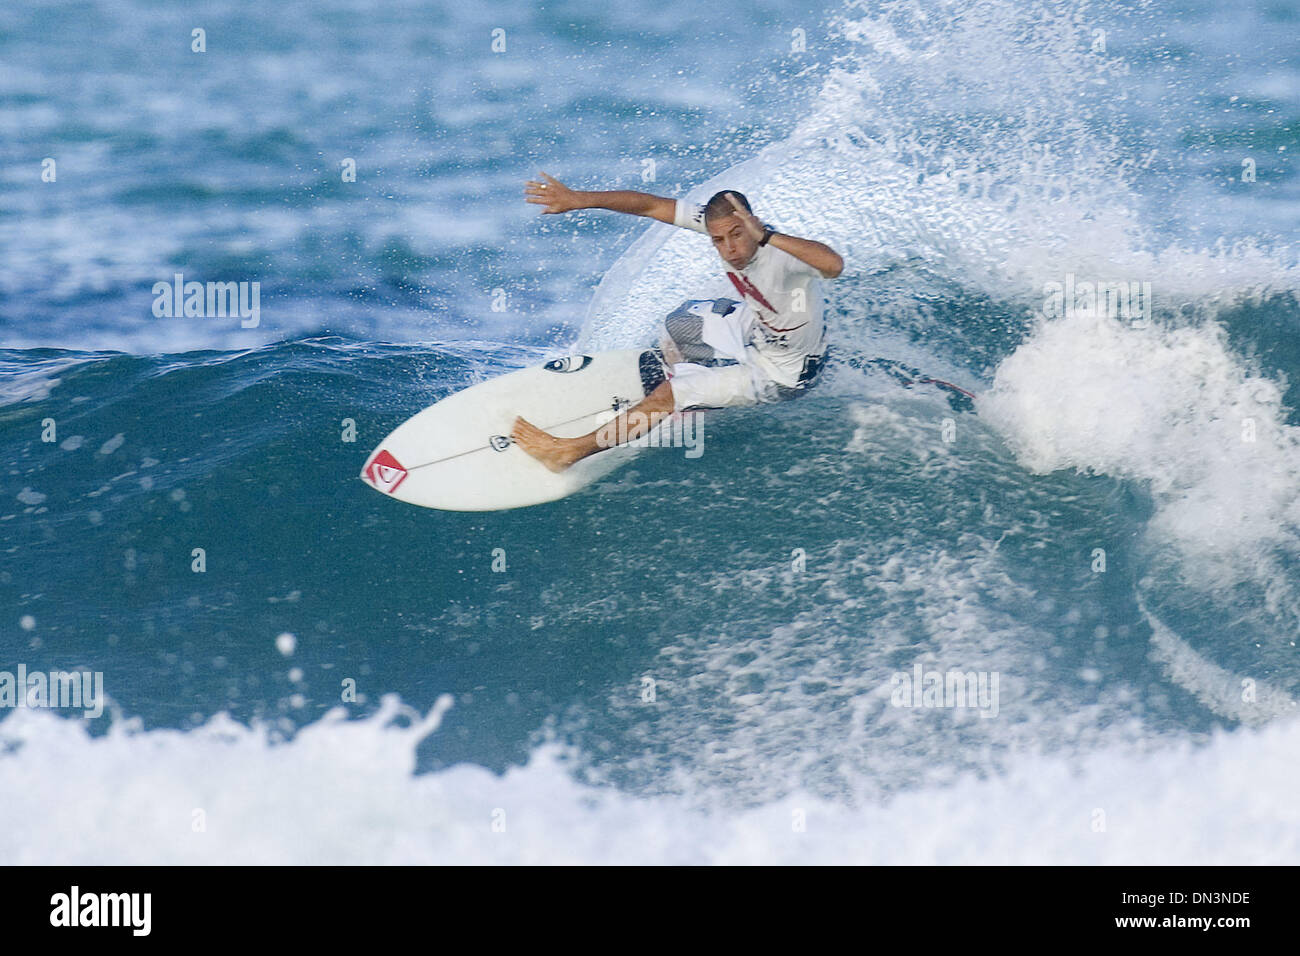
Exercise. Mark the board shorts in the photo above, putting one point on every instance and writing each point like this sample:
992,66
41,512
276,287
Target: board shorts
717,368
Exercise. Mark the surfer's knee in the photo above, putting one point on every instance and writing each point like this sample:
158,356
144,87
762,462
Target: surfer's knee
660,398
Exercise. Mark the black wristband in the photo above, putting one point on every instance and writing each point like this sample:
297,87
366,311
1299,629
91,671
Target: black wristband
766,236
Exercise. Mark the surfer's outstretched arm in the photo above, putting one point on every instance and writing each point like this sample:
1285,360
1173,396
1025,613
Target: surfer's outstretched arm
557,197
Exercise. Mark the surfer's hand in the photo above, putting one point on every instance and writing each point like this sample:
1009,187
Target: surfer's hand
552,194
752,225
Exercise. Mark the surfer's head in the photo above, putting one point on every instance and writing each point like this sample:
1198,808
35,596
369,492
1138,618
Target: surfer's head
730,237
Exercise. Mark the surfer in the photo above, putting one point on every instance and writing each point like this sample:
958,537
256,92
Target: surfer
768,345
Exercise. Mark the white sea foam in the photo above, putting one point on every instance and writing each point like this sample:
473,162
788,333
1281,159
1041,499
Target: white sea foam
1172,408
343,792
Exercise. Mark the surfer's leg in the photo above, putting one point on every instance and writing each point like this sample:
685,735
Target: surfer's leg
721,386
691,386
668,348
704,332
558,454
685,331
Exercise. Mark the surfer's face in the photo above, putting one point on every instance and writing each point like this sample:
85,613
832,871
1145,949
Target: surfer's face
733,241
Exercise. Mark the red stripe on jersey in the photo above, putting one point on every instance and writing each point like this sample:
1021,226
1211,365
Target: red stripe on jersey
745,287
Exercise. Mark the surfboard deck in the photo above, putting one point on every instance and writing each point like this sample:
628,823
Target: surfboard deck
456,455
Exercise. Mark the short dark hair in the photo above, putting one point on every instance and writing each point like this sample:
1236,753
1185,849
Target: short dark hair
719,206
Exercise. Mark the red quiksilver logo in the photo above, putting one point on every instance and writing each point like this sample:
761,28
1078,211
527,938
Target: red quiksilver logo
385,472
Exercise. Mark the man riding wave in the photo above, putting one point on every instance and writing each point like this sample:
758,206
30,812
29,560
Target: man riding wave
767,345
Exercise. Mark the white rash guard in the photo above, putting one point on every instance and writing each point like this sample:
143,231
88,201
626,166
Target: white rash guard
785,297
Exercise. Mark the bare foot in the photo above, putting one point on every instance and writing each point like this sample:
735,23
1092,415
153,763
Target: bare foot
556,454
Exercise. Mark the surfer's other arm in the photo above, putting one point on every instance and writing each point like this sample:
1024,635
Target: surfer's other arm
557,197
808,251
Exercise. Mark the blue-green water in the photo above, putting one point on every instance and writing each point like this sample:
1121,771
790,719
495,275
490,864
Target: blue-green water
695,659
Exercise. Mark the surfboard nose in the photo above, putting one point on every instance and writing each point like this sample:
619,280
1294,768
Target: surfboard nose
384,472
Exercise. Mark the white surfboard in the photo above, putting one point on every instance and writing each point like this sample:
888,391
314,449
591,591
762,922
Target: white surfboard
457,455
